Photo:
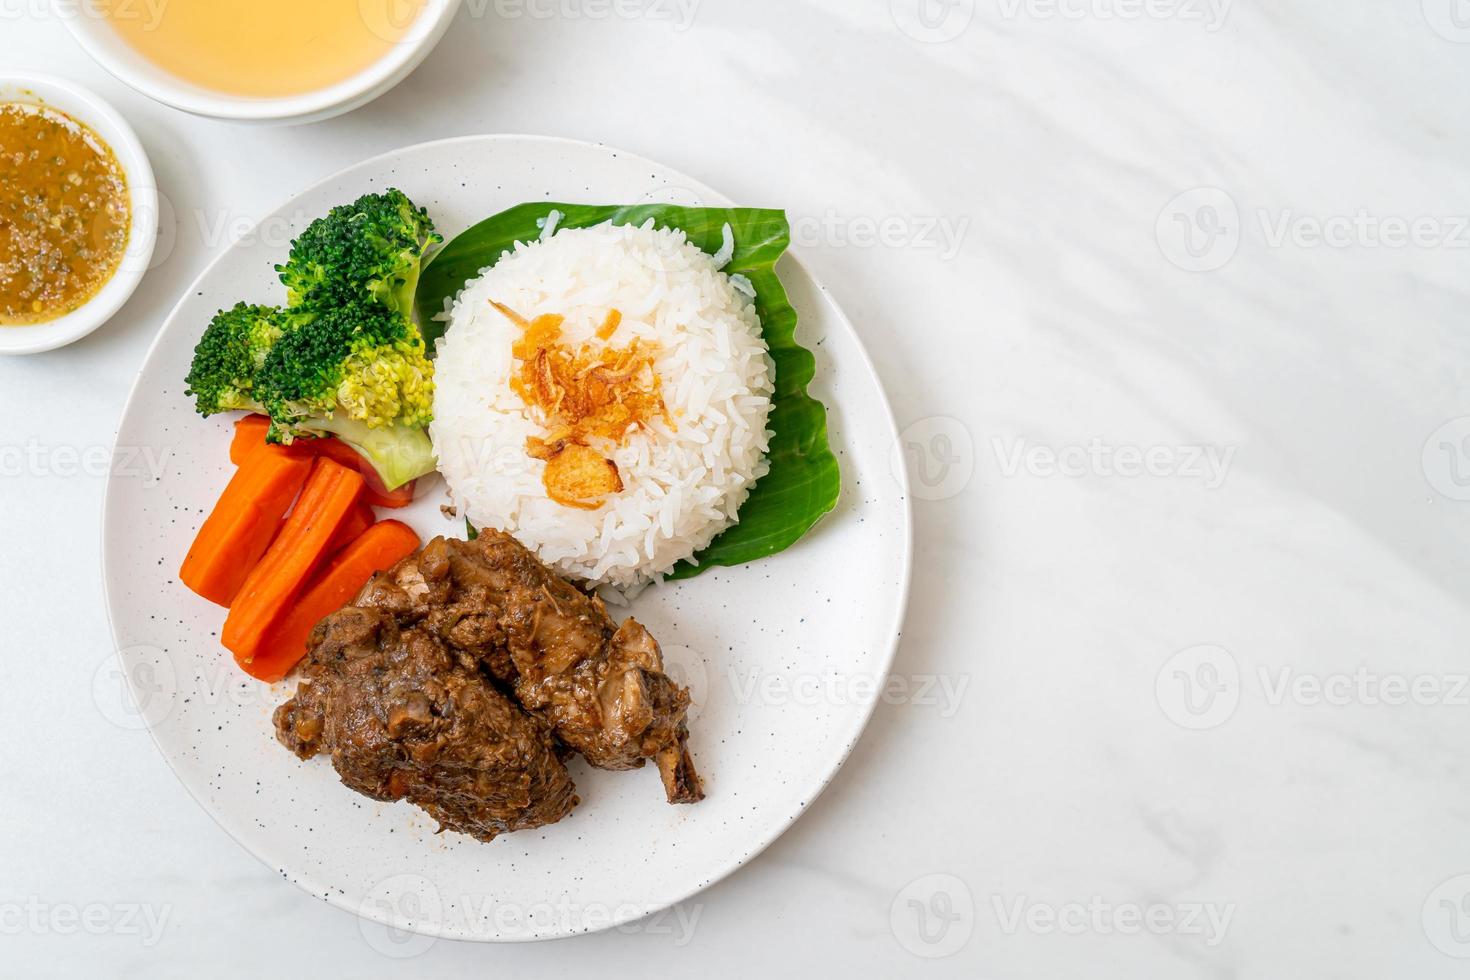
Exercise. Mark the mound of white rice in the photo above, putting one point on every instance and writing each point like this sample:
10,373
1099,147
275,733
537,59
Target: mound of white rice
681,486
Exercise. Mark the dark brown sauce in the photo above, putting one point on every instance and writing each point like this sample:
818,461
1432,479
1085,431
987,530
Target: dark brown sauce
64,214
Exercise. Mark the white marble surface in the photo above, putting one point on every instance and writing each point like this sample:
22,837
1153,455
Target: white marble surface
1156,478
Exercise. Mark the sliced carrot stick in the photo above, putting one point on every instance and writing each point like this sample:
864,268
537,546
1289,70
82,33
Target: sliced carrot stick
250,433
358,521
242,524
341,452
377,550
333,449
327,501
249,436
392,499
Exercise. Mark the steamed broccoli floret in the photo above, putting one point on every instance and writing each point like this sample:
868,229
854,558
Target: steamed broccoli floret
230,354
358,372
344,359
370,249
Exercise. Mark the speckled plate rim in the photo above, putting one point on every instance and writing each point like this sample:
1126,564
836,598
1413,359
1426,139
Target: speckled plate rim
848,739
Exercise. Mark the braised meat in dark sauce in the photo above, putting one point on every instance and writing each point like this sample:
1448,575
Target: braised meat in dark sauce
403,717
461,678
601,687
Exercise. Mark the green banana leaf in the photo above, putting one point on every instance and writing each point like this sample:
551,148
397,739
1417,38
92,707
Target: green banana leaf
804,481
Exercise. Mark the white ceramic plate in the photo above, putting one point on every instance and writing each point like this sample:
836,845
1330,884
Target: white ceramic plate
786,657
89,109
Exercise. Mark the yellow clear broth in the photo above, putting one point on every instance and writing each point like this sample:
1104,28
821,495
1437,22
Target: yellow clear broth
263,48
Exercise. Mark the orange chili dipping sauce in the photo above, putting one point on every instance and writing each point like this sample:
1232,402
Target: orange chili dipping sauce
64,214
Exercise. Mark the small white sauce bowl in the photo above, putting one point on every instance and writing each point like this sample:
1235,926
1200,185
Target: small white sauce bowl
88,24
90,110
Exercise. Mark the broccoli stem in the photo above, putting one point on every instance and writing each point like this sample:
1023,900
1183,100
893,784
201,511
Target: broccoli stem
400,296
398,453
